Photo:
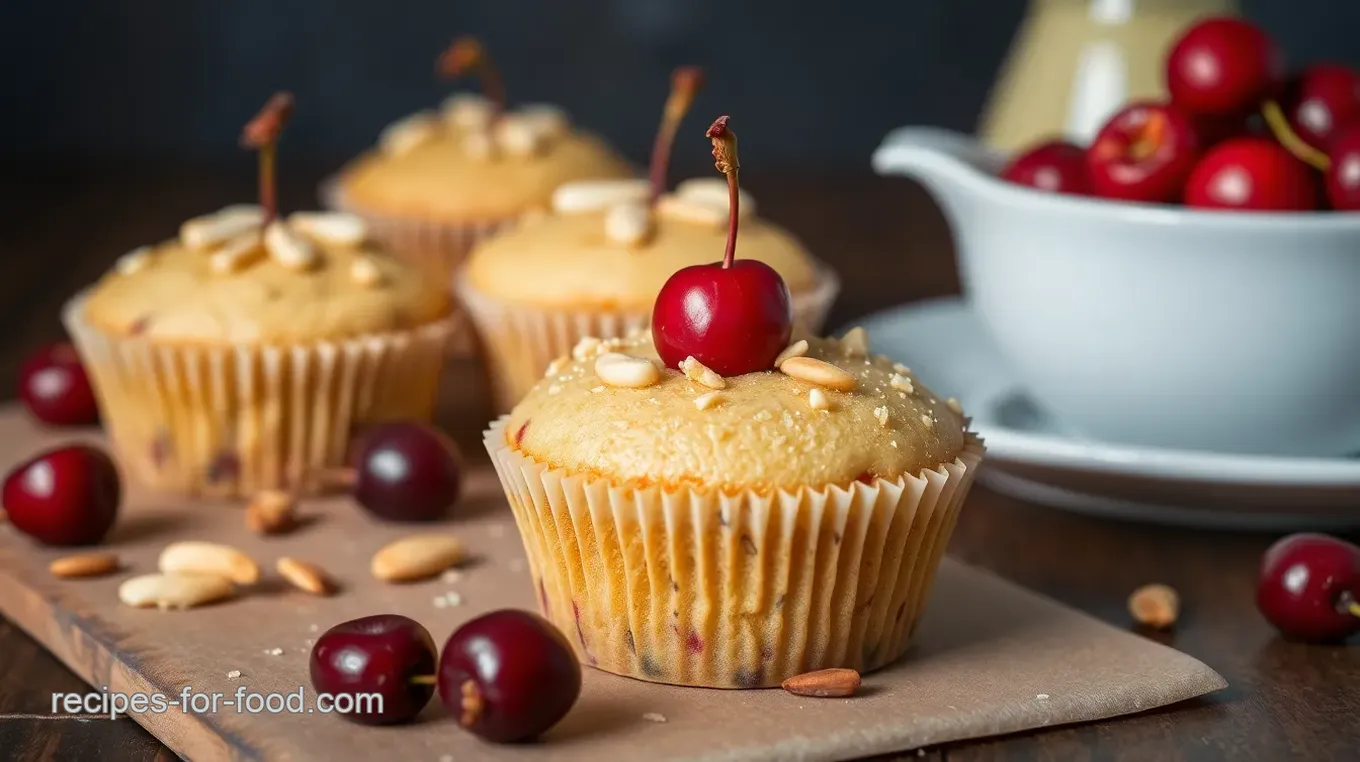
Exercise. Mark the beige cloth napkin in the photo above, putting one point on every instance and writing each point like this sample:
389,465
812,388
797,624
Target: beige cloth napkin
990,657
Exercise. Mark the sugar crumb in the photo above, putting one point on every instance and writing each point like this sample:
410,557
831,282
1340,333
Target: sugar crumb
1041,696
235,673
274,651
654,717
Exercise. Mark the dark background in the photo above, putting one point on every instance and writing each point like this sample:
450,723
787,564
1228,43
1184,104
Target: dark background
811,84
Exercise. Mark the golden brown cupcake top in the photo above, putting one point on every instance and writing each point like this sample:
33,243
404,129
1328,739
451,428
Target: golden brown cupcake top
604,247
466,163
230,279
832,414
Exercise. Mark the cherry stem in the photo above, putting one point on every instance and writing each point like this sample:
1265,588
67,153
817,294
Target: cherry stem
1279,126
725,159
424,680
686,82
467,54
262,134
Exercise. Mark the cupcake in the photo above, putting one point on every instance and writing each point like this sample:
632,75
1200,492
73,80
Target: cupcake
594,264
241,355
437,183
711,505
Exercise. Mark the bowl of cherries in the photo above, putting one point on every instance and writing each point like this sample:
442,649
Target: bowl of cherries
1186,279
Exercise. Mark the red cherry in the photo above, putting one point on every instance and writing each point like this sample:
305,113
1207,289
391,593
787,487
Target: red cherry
508,675
379,670
733,316
1144,153
1056,166
1308,587
55,389
1223,66
407,471
1343,173
66,496
1252,174
1321,101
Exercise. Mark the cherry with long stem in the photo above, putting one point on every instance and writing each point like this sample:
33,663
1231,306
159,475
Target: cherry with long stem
468,55
262,134
1279,126
725,159
686,82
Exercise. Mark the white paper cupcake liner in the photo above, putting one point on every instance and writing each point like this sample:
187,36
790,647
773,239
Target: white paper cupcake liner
740,590
519,342
228,421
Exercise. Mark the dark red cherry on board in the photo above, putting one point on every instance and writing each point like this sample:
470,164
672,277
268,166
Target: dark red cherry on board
1252,174
55,389
1343,171
1321,101
407,471
1223,66
1308,587
1143,153
386,656
66,496
733,316
1056,166
508,676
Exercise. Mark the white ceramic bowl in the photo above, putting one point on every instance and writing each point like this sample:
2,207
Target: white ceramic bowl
1157,325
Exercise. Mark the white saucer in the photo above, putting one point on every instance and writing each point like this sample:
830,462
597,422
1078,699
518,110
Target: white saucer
1029,457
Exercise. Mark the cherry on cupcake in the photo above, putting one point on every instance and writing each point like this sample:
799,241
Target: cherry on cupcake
733,316
1056,166
1308,587
66,496
1321,101
1143,153
1252,174
387,655
1223,66
508,676
405,471
55,389
1343,171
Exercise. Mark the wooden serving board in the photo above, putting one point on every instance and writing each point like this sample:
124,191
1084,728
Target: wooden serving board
991,658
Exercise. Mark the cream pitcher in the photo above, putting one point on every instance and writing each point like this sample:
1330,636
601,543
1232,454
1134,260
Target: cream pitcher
1075,62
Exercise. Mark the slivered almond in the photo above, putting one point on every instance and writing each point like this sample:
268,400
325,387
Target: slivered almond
237,255
818,372
365,272
824,683
714,191
628,372
674,207
855,342
134,261
796,349
597,195
548,120
817,399
707,400
701,374
271,512
629,223
194,557
467,111
405,135
174,591
305,576
417,557
84,565
335,228
212,230
587,348
288,248
517,137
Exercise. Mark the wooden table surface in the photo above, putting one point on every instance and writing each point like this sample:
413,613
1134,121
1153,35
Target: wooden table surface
60,230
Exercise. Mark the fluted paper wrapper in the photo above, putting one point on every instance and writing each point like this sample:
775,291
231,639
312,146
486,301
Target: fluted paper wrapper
739,590
518,342
231,420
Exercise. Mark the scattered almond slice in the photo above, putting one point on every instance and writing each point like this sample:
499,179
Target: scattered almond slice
701,374
237,255
796,349
597,195
817,399
856,342
305,576
1156,606
707,400
365,272
467,111
208,231
134,261
673,207
288,248
517,137
587,348
548,120
417,557
714,192
901,383
824,683
84,565
209,558
405,135
821,373
337,228
628,372
271,512
174,591
629,223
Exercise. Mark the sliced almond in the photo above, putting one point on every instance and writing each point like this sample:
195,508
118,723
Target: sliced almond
467,111
1157,606
134,261
714,192
587,348
174,591
901,383
629,223
814,371
597,195
701,374
416,557
405,135
288,248
673,207
855,342
707,400
824,683
271,512
210,558
796,349
305,576
237,255
625,371
817,399
208,231
548,120
517,137
336,228
365,272
84,565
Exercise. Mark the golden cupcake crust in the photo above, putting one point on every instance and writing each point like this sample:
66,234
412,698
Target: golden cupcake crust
441,180
176,293
566,260
761,431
